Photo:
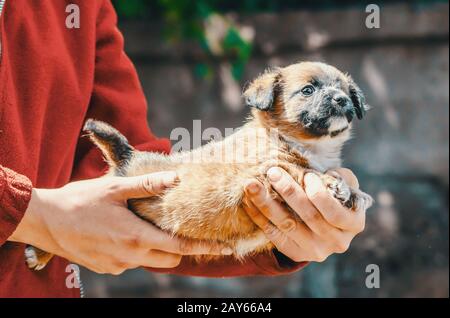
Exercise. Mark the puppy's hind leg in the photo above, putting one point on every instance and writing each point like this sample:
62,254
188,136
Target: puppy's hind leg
36,259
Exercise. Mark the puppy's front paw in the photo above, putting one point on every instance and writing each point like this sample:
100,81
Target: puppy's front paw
36,259
361,201
354,199
338,188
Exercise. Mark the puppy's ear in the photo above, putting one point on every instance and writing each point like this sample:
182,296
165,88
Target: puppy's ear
358,99
261,93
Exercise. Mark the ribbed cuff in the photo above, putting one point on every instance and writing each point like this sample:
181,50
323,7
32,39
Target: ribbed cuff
15,194
275,263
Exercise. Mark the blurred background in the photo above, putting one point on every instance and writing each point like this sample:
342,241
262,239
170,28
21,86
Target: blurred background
194,57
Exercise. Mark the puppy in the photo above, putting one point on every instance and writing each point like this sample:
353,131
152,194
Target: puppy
301,117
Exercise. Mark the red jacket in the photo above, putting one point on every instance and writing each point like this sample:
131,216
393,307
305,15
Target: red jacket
51,79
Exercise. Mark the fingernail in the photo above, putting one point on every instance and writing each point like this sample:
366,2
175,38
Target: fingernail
274,174
253,188
227,251
313,184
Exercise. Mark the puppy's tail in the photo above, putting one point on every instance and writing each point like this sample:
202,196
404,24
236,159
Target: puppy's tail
114,146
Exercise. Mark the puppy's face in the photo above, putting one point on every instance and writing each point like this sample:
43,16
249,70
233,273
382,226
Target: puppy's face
307,101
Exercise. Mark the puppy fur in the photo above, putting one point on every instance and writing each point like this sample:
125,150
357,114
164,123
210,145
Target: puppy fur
310,106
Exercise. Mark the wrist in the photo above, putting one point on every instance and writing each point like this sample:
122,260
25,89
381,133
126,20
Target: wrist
32,227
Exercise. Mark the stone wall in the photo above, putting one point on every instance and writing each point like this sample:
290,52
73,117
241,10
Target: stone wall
400,152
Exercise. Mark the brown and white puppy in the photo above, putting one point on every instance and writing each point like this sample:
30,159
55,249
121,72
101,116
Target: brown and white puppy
302,116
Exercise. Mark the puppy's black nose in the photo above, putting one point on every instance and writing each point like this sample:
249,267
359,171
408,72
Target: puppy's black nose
340,100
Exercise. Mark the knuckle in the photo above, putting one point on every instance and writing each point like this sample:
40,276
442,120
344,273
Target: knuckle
252,212
322,195
342,247
118,268
262,204
333,218
288,190
133,241
75,203
337,219
117,272
99,271
321,257
311,217
297,258
113,187
271,231
288,225
121,265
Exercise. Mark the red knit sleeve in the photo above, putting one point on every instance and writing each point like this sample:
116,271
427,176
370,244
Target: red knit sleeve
117,98
267,264
15,194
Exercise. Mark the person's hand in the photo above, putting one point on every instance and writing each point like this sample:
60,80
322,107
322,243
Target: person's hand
327,226
88,223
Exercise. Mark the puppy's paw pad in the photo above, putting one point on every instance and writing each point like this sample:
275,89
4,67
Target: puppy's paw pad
32,259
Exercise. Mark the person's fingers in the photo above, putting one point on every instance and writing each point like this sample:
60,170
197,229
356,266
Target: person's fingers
297,199
161,259
274,234
105,263
331,209
143,186
282,218
177,245
282,242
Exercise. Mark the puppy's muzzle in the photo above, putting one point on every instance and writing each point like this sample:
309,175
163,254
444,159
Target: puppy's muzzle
341,100
342,105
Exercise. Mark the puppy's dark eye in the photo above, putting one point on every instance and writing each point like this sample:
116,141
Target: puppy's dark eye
308,90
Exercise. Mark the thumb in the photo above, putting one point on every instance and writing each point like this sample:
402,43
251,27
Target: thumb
146,186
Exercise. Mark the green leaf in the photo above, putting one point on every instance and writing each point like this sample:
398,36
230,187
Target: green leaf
130,8
203,71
